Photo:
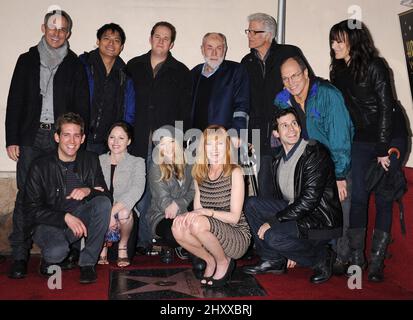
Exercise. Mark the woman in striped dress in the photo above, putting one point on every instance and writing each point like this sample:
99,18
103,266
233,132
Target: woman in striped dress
216,231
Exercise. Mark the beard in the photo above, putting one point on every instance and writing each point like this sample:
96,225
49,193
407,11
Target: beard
213,63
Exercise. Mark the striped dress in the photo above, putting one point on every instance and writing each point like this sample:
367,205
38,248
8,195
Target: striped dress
234,238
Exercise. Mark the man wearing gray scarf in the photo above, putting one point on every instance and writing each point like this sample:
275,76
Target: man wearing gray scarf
48,81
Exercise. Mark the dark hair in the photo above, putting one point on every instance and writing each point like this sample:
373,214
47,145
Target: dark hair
362,49
283,112
59,13
125,126
70,118
114,28
167,25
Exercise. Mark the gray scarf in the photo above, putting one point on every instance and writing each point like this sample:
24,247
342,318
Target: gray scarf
50,59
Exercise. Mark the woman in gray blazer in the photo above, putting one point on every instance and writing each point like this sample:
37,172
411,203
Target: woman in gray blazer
171,185
125,177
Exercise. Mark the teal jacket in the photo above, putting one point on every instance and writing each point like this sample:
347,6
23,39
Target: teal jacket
328,121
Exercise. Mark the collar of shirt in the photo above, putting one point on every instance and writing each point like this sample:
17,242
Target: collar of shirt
259,57
290,153
205,73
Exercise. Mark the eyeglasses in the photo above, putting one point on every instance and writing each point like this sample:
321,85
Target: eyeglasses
293,78
253,32
286,126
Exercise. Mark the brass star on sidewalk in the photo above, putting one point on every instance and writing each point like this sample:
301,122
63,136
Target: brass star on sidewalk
183,282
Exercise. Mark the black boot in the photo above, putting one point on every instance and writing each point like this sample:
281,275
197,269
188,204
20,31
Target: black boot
379,245
356,239
18,269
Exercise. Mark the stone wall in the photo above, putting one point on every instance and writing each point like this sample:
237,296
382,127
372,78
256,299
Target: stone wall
8,191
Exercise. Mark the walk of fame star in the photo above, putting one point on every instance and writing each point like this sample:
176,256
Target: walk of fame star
175,284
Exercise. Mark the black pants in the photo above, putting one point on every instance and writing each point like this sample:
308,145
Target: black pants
163,230
55,242
43,144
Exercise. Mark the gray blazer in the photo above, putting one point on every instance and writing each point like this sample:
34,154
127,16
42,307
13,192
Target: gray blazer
164,192
128,179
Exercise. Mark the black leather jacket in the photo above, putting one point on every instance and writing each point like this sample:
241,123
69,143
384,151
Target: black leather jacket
316,208
45,189
375,113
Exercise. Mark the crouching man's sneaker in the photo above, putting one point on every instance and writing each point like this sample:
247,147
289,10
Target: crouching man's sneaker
87,274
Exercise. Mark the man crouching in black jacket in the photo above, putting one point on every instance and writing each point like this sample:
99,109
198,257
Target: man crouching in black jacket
66,198
306,214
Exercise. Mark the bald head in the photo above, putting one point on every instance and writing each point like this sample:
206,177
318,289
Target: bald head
214,48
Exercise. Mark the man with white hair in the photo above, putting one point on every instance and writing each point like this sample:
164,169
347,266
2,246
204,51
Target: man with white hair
263,65
220,88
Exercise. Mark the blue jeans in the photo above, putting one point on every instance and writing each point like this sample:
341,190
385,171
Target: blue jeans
44,143
282,240
55,242
362,155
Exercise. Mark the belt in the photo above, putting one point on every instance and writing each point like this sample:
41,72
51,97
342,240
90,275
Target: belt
46,126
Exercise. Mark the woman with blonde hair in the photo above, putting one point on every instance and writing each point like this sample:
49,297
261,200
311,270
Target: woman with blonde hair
216,231
171,186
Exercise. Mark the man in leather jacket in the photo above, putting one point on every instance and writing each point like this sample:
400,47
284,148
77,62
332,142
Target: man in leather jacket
66,199
306,213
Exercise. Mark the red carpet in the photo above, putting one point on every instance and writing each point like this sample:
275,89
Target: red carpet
294,285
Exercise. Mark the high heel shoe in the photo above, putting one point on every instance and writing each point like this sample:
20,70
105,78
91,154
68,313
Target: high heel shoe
205,280
216,283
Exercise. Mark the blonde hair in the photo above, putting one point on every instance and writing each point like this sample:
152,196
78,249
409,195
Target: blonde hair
201,166
175,168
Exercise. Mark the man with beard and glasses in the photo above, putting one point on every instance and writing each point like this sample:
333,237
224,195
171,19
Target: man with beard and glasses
220,88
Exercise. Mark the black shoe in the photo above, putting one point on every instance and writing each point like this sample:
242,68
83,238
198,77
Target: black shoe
71,260
87,274
340,268
217,283
267,266
44,268
324,270
143,251
167,255
18,269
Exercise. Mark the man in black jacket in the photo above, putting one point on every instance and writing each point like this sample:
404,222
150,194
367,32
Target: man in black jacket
163,95
66,199
47,82
220,88
306,213
263,65
112,96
